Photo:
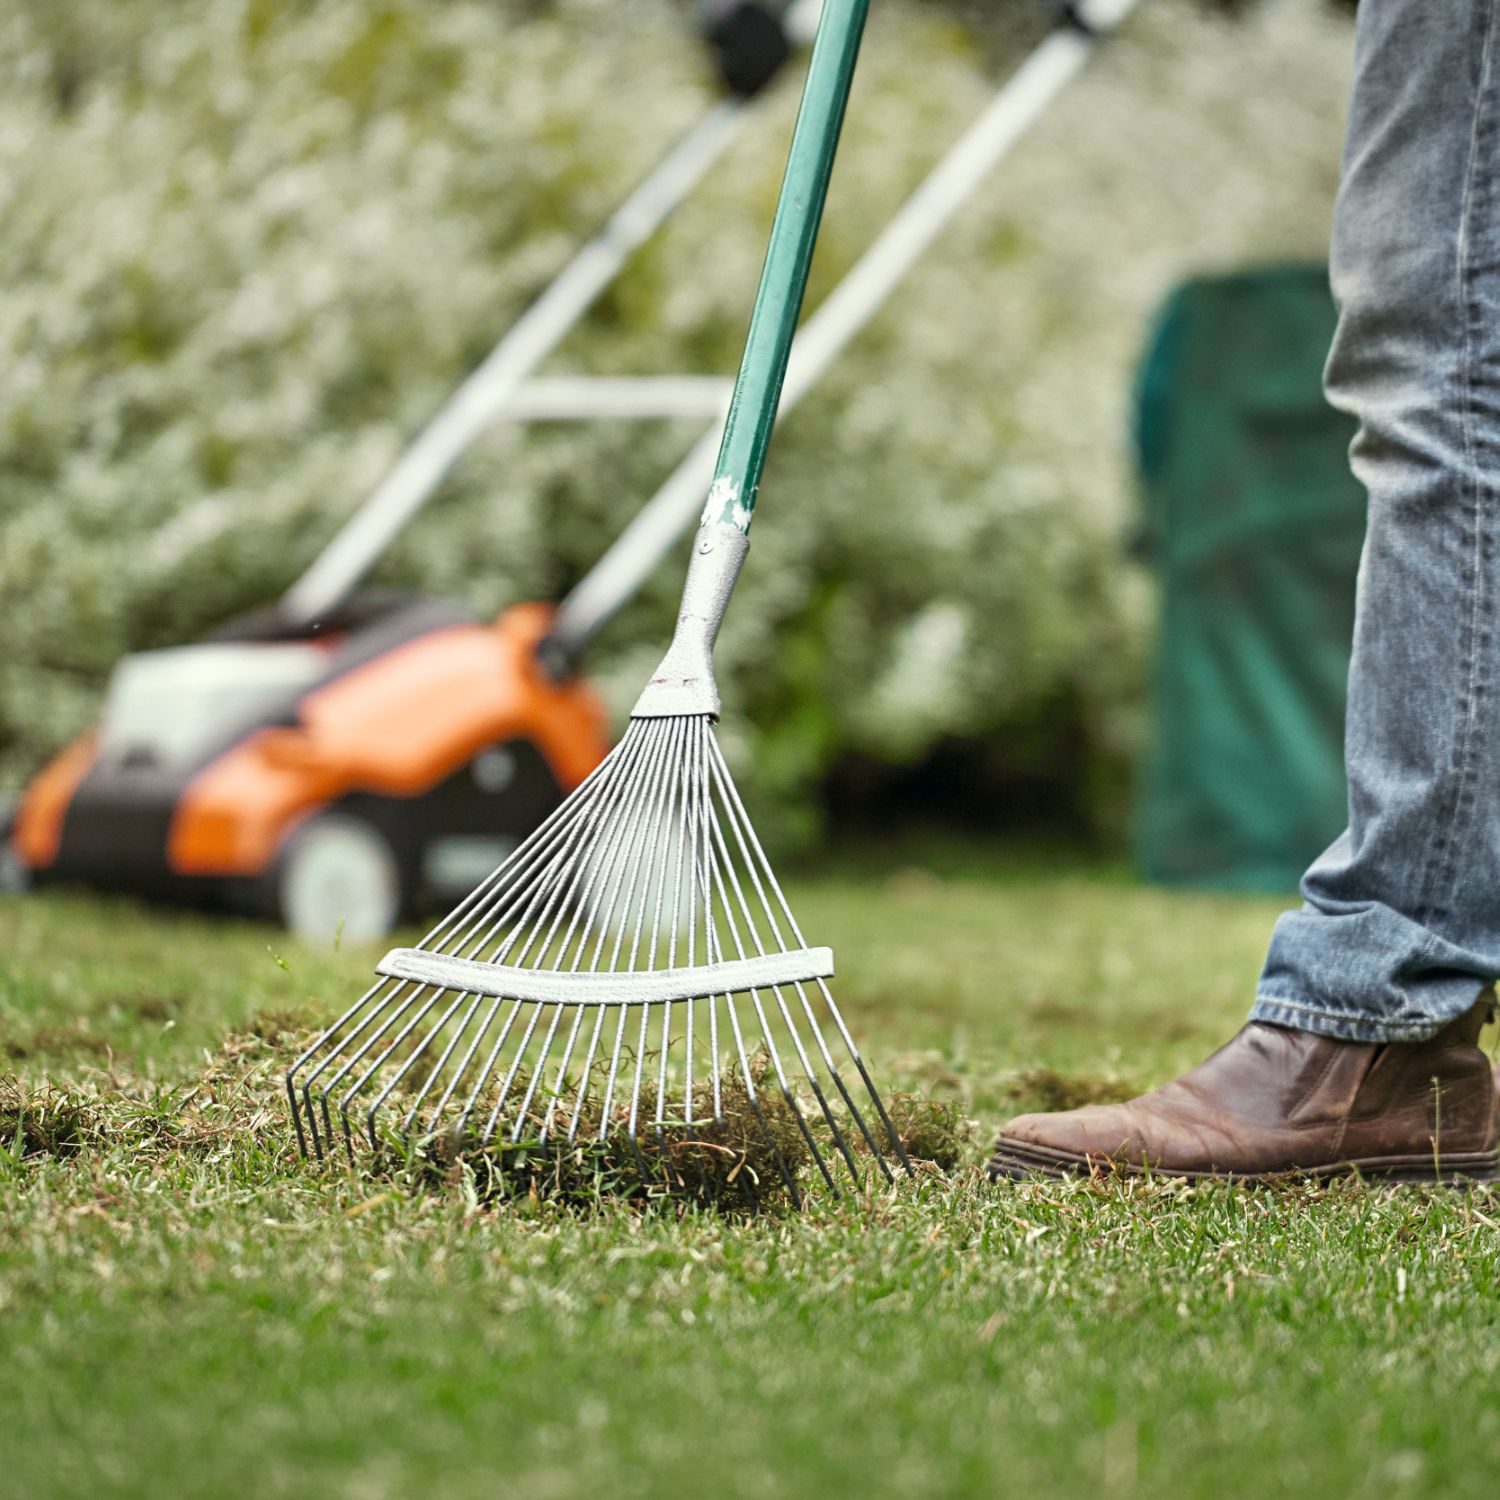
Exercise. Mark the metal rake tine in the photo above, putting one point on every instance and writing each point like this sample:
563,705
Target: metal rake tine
666,1044
726,862
699,813
713,1056
437,1068
711,940
565,867
536,1075
661,782
741,819
547,865
609,1087
462,1069
743,829
713,1005
640,1063
395,997
698,785
593,877
356,1088
690,1123
623,875
488,1133
608,1101
661,1078
562,1073
700,885
305,1057
687,1064
877,1151
522,858
394,1081
740,826
584,1075
398,990
330,1031
730,795
662,1151
788,1177
658,785
561,898
489,1066
661,825
769,1039
897,1144
786,1091
643,1167
543,884
715,876
680,851
818,1092
291,1096
833,1070
653,761
622,862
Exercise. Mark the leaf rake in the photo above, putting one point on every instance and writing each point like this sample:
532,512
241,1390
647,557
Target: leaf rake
632,981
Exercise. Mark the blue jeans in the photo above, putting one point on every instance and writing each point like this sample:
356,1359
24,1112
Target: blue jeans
1400,927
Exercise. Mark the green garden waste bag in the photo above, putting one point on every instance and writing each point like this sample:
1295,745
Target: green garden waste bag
1253,524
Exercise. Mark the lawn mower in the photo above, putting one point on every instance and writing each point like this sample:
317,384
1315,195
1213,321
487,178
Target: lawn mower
339,760
344,759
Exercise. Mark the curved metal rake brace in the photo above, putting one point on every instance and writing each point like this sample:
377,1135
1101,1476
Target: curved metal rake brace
633,971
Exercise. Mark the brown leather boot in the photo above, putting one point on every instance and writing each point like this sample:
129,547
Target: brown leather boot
1276,1102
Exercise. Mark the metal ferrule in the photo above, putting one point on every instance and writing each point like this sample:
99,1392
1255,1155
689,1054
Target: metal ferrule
684,682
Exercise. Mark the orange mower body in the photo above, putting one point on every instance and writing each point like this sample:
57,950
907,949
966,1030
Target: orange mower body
383,764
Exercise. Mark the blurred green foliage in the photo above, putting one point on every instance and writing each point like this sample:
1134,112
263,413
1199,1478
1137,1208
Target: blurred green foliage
247,246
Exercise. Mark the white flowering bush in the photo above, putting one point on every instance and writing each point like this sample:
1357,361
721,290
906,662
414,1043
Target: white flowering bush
246,246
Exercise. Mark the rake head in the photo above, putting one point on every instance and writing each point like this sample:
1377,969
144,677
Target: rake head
630,987
632,978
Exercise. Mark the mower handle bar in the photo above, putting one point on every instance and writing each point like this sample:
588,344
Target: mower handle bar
488,391
864,289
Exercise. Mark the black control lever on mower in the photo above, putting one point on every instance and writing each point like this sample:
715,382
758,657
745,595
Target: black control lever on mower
749,39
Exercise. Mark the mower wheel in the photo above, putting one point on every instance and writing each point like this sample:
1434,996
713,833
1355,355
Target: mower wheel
15,878
338,877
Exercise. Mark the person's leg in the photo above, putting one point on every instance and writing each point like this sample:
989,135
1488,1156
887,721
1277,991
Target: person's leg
1401,923
1361,1048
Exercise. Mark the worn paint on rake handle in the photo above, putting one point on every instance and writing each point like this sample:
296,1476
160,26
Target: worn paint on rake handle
467,976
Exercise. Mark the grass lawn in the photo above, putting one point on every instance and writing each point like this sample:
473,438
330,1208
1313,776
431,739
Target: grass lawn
188,1310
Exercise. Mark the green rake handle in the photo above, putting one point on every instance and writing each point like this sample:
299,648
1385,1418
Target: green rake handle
683,684
783,279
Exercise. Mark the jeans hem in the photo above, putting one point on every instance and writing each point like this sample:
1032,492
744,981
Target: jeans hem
1340,1024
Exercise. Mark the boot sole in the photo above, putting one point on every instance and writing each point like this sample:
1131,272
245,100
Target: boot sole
1017,1160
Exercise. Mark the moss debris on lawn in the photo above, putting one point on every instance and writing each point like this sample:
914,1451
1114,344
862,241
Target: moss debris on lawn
753,1156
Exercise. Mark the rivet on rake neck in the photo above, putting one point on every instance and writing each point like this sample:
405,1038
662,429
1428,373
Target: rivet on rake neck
684,682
